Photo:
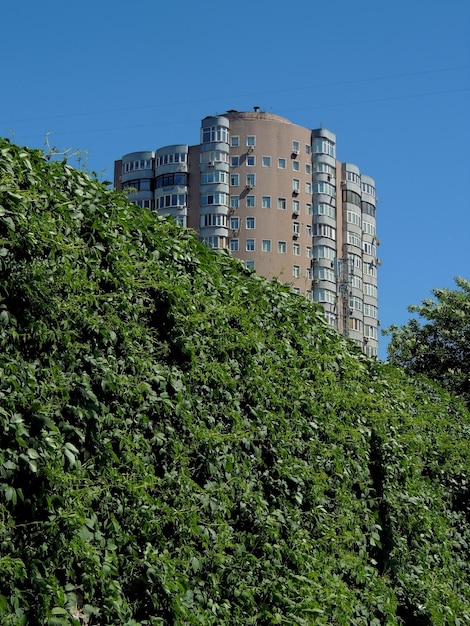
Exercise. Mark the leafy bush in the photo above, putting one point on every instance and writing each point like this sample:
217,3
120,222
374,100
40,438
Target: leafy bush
184,442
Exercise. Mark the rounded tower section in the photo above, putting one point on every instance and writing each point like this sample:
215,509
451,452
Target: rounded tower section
214,182
325,223
137,177
370,264
171,182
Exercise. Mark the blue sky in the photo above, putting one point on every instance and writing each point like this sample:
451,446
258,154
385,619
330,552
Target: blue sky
391,79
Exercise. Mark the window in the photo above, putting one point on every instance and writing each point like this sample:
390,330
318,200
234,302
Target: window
296,249
352,197
234,161
235,141
369,248
324,295
234,180
320,187
234,245
356,281
370,290
266,245
308,252
368,227
295,146
250,223
234,223
370,269
250,160
296,228
217,197
370,310
250,265
324,252
308,273
295,184
308,168
368,208
282,247
212,176
324,209
355,303
354,239
352,177
355,324
308,188
250,245
266,161
296,290
296,271
266,202
309,208
324,273
371,331
325,168
296,166
368,189
214,133
213,219
281,163
251,140
234,202
308,149
323,146
308,230
295,207
281,203
250,180
250,201
353,218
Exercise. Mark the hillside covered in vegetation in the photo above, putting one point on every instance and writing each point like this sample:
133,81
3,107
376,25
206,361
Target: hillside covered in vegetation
183,442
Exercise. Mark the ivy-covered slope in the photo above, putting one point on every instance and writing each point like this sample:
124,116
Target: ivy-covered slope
183,442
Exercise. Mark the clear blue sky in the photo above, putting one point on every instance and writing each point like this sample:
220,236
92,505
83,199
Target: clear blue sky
391,79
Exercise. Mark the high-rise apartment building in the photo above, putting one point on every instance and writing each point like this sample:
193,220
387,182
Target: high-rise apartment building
275,195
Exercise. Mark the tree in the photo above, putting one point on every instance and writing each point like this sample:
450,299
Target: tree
440,347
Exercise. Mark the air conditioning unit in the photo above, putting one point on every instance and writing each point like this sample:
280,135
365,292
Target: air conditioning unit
249,187
250,149
211,164
295,192
295,153
295,211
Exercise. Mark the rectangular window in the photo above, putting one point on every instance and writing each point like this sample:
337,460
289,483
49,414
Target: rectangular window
308,230
234,180
296,228
250,245
250,201
281,163
308,273
296,271
235,141
266,245
308,188
296,249
250,265
250,223
266,161
250,180
250,160
266,202
251,140
234,223
234,245
234,161
234,202
282,247
295,184
308,168
308,252
309,209
296,146
295,207
281,203
308,149
296,166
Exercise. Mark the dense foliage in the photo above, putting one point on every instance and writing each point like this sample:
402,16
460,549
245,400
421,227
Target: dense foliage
439,347
183,442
